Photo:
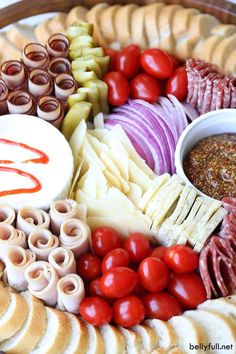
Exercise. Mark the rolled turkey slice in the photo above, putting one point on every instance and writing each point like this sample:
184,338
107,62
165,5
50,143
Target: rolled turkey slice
10,236
3,97
75,235
64,86
7,214
63,260
39,83
21,102
17,260
71,292
42,242
51,110
62,210
14,74
42,282
58,45
30,219
59,66
35,56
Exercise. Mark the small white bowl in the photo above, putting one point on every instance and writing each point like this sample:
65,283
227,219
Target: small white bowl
212,123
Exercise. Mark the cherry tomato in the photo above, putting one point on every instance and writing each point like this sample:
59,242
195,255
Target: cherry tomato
112,54
88,266
118,282
95,288
105,239
145,87
188,289
157,63
181,259
153,274
115,258
138,246
118,88
177,84
159,252
161,306
128,61
128,311
95,311
175,61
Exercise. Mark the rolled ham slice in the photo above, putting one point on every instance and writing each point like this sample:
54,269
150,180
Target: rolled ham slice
59,66
35,56
63,260
71,292
64,86
58,45
39,83
14,74
10,236
17,260
4,92
62,210
42,282
7,214
50,109
30,219
42,242
21,102
75,235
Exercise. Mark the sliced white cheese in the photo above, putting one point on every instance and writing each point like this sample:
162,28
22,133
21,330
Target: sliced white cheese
135,193
77,138
138,176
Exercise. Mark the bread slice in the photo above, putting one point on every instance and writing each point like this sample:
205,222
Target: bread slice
220,305
133,341
187,332
223,50
165,332
93,16
57,334
4,299
32,330
217,328
79,340
2,266
96,343
20,35
159,351
204,49
113,339
181,21
42,32
123,24
148,335
58,23
76,13
223,30
8,51
138,32
14,317
230,64
107,23
176,351
151,24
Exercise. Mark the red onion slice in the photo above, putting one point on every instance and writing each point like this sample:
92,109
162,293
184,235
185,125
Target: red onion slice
58,45
35,56
3,97
50,109
40,83
65,86
59,66
21,102
14,74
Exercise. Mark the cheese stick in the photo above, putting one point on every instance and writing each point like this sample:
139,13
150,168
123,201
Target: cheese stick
71,292
42,242
63,260
30,219
7,214
10,236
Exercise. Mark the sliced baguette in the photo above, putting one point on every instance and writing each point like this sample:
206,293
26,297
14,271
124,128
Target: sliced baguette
176,351
187,332
148,335
1,269
93,16
8,50
165,332
42,32
20,35
107,23
123,24
113,339
76,13
5,299
14,317
151,24
79,340
223,50
133,341
96,343
32,330
57,334
204,49
230,64
220,305
181,21
223,30
58,23
159,351
138,32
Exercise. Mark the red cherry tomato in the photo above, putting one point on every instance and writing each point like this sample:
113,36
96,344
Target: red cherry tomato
95,311
105,239
159,252
161,306
153,274
115,258
138,246
181,259
157,63
177,84
145,87
175,61
128,61
118,282
95,288
128,311
112,54
88,266
118,88
188,289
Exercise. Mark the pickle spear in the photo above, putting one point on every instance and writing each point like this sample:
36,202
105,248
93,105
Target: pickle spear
102,93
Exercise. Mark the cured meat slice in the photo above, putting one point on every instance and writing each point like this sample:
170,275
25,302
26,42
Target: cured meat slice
71,292
63,260
21,102
39,83
233,92
14,74
51,110
42,242
10,236
3,97
229,204
34,56
58,45
7,214
30,219
65,86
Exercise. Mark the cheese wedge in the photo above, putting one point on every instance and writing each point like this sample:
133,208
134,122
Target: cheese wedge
151,25
123,24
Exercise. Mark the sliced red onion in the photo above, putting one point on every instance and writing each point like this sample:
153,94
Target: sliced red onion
58,45
35,56
191,112
3,97
21,102
50,109
39,83
64,86
59,66
14,74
